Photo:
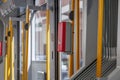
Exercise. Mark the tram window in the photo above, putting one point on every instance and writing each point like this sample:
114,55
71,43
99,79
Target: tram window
38,46
40,35
38,43
81,33
64,8
40,2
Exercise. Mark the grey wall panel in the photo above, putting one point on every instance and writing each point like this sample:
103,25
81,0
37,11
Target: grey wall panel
110,22
115,75
1,30
52,47
23,3
118,36
16,50
2,70
91,30
30,73
2,62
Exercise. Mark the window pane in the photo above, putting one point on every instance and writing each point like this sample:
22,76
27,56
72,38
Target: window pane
64,9
40,35
81,31
39,44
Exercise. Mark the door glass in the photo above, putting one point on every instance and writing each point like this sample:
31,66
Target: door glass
81,31
40,36
39,44
64,66
64,9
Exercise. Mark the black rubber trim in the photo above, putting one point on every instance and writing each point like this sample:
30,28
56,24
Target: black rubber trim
9,33
26,26
71,15
5,38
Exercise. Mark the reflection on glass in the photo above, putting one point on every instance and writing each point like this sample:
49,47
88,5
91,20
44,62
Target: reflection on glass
40,36
64,9
39,44
81,33
64,68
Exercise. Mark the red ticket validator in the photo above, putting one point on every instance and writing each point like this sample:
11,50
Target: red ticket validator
64,37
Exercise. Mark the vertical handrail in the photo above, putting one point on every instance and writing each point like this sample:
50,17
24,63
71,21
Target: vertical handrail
77,35
71,57
25,71
23,50
12,56
4,1
48,44
9,53
11,49
99,39
6,56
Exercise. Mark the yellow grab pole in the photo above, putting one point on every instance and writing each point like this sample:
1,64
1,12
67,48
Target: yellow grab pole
12,58
11,49
23,49
25,71
6,56
71,57
77,35
9,52
48,44
99,39
4,1
27,14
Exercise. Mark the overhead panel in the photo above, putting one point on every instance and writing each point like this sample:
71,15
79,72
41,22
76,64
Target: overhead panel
23,3
2,1
7,7
11,5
